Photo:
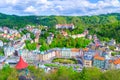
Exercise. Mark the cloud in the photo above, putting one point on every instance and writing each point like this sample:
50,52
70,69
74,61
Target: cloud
59,7
30,9
11,1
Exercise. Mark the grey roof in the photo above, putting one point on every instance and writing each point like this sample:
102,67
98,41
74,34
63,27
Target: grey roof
2,58
88,57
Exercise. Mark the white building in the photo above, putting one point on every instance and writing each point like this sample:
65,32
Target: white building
8,51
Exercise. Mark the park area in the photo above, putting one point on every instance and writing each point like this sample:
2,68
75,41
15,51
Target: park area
65,60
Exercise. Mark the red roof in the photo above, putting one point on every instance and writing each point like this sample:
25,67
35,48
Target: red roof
75,50
117,61
98,57
21,64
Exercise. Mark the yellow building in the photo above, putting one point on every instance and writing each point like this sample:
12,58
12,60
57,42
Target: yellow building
88,63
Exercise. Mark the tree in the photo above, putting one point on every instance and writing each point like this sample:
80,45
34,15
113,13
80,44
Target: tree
112,48
111,75
30,46
32,36
44,47
84,75
113,53
93,73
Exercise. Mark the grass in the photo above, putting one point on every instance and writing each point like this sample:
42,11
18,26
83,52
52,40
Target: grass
51,65
65,61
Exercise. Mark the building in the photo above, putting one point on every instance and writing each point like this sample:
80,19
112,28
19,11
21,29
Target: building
45,56
64,33
29,28
66,53
117,48
28,36
112,42
58,53
2,59
12,60
99,61
114,63
87,60
65,26
75,52
89,37
1,43
37,34
21,64
8,51
88,57
80,35
5,30
28,56
50,38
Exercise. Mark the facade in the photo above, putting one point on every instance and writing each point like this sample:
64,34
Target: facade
89,37
1,43
64,33
114,63
50,38
5,30
80,35
87,60
29,28
44,56
28,56
99,61
112,42
37,37
8,51
87,63
75,52
2,59
12,60
66,53
58,53
65,26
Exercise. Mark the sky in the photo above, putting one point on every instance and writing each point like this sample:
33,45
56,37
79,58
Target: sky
59,7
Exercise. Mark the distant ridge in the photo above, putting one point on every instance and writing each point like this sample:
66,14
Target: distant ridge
21,21
104,25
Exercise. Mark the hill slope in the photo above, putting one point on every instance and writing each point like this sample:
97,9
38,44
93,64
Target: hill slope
102,25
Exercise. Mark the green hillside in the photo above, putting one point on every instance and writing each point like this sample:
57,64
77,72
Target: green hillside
105,26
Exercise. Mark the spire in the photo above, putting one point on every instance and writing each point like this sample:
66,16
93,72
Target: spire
21,64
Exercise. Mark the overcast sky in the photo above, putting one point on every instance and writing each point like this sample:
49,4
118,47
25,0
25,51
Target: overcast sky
59,7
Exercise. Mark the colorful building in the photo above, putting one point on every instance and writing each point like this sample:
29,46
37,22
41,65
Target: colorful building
8,51
87,60
75,52
99,61
114,63
44,56
66,53
65,26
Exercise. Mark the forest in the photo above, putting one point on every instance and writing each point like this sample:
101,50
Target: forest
106,26
62,73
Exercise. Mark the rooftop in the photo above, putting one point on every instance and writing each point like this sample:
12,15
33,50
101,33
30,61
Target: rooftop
75,50
97,57
88,57
116,61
